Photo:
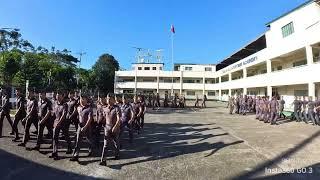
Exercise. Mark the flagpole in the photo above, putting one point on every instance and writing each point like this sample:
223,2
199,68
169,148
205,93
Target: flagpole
172,33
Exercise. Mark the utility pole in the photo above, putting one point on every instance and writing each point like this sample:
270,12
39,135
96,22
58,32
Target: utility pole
81,53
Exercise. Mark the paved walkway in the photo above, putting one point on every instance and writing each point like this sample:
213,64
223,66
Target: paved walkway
184,144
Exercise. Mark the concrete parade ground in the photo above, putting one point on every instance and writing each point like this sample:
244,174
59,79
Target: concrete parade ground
182,144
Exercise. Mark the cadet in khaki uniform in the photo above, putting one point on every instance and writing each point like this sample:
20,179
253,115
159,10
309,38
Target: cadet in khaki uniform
174,101
75,121
153,101
261,108
85,129
165,102
274,108
296,109
240,104
137,109
5,113
254,104
303,113
317,110
231,104
311,113
99,122
31,118
72,113
257,107
112,128
144,110
196,103
237,105
266,116
20,114
60,124
127,116
204,99
250,102
158,100
46,119
281,107
119,101
183,101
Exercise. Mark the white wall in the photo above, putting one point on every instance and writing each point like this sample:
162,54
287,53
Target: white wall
307,27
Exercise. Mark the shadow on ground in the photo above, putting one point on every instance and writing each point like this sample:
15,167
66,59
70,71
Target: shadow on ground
16,168
272,164
161,141
169,110
157,141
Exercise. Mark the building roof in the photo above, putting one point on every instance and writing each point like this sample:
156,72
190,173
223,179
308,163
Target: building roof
249,49
299,7
179,64
148,63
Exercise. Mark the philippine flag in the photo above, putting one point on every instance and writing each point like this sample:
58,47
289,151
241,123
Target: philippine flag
172,29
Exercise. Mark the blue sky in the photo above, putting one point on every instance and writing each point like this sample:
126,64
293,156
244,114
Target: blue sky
206,30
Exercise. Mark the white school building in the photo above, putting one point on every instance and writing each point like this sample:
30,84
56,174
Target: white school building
284,60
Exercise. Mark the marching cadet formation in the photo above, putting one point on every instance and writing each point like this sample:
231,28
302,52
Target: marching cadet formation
153,101
113,116
270,110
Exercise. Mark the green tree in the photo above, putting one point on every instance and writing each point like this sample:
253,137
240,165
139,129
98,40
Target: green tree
104,72
12,39
86,79
9,66
64,77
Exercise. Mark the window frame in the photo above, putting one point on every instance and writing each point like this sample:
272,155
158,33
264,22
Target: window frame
287,29
208,69
193,93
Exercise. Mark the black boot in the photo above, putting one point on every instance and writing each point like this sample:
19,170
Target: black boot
22,144
103,163
74,158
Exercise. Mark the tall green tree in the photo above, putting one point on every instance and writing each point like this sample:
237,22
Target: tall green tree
104,72
9,66
86,80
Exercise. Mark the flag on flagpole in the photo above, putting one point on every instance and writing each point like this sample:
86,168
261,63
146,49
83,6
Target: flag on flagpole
172,29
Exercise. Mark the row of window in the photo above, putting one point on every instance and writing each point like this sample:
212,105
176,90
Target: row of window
188,68
193,93
148,68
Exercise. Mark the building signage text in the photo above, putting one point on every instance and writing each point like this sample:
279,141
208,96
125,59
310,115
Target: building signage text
247,61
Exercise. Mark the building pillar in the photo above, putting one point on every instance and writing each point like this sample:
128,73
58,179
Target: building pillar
135,84
309,55
230,77
158,79
230,93
220,95
269,91
135,81
204,85
181,82
114,87
244,72
269,67
220,79
245,91
312,90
